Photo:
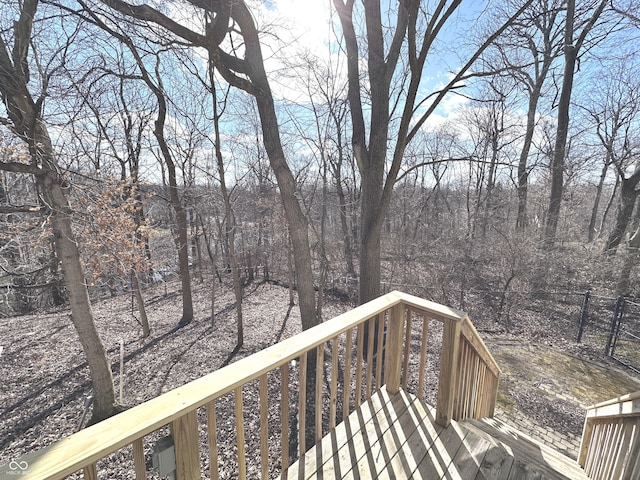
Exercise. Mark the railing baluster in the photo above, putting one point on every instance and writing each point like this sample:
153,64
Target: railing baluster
469,369
184,431
407,348
242,457
423,356
284,414
212,437
477,378
480,408
623,445
594,446
346,400
334,384
394,344
360,341
319,396
302,403
605,451
371,327
264,427
380,352
459,396
138,459
448,369
618,431
90,472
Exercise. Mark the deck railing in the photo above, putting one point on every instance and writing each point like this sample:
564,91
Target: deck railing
610,445
255,416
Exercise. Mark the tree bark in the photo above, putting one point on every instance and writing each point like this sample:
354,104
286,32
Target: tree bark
626,203
562,129
591,229
144,320
629,259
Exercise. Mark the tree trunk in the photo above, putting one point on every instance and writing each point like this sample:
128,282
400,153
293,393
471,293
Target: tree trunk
229,219
298,226
81,313
370,233
291,272
629,260
144,320
607,209
523,173
562,130
346,231
591,230
628,196
571,48
336,170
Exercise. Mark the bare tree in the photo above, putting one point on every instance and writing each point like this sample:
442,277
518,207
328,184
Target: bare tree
578,25
153,80
25,119
614,108
529,49
401,57
120,118
327,98
229,217
243,67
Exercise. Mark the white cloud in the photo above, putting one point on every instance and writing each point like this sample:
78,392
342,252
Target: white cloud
293,33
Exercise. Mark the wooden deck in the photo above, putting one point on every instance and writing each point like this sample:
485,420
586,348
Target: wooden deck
396,437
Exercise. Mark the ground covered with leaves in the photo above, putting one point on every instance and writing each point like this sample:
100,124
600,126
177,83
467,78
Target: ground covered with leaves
45,379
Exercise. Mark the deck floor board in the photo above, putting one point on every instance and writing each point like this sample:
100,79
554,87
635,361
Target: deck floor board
395,437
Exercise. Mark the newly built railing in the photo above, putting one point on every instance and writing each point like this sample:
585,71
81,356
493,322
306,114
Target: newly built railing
610,447
254,417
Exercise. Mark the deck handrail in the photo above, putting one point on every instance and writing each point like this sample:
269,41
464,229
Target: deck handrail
610,446
467,387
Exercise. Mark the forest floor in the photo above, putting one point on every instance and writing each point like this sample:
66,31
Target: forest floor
45,380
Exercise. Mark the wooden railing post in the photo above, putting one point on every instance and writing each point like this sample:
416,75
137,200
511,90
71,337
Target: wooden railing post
393,351
448,372
610,446
587,432
184,431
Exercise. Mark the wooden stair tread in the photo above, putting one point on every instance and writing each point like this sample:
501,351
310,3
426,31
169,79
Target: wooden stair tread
526,449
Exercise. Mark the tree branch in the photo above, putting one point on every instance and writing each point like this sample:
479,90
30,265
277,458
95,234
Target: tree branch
4,209
21,168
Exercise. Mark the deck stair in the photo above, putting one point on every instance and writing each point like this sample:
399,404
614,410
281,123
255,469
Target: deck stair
396,437
531,459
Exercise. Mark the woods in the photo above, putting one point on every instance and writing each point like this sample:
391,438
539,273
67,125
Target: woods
422,143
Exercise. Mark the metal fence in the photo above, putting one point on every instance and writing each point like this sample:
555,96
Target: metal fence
624,334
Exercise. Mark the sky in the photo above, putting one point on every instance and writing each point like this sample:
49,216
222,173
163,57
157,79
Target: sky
304,25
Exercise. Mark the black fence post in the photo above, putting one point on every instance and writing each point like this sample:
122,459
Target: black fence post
618,324
615,319
584,315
